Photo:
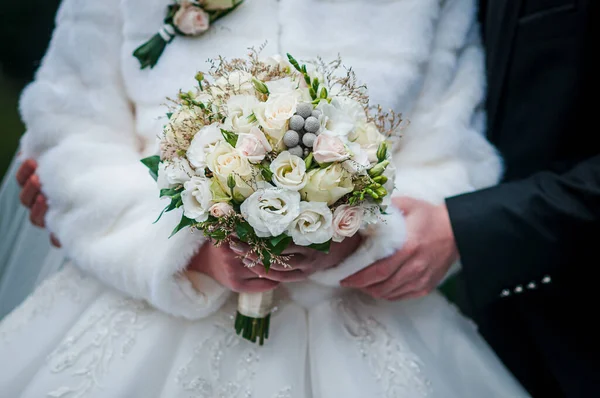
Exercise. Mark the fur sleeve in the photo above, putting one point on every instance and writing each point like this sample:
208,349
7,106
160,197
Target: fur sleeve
444,151
102,202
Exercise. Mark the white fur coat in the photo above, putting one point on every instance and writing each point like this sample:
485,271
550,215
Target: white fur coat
91,114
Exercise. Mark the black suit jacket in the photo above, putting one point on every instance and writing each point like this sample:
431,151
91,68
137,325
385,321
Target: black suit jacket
529,246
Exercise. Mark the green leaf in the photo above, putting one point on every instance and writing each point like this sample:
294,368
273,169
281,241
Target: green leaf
322,247
244,231
169,114
266,171
152,163
185,222
170,191
294,62
266,261
280,243
230,137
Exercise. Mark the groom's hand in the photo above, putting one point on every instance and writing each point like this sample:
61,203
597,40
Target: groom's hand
32,197
417,268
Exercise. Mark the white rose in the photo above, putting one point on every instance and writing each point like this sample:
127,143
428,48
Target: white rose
237,82
253,146
368,137
174,172
328,184
274,114
190,19
202,144
359,159
271,211
289,171
328,148
341,115
221,209
239,113
224,161
347,220
313,224
197,199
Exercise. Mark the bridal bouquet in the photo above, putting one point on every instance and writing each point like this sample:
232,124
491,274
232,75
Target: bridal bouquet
274,152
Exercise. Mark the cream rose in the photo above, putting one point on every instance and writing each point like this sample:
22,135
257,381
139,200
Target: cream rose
221,210
313,224
347,220
196,198
328,149
202,144
224,161
253,146
274,114
289,171
190,19
174,172
328,184
271,211
368,137
239,110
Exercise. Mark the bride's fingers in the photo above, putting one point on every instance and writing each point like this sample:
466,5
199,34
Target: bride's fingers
31,189
38,211
376,273
407,296
25,171
278,276
257,285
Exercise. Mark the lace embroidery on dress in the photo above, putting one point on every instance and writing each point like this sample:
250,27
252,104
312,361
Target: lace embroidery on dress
206,375
398,370
92,345
68,283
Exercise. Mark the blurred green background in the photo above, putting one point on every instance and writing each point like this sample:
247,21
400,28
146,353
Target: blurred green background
25,29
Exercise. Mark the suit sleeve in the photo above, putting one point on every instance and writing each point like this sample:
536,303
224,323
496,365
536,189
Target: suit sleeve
443,152
524,231
102,202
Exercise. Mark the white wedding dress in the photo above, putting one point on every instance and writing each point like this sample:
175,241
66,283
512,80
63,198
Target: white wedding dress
122,320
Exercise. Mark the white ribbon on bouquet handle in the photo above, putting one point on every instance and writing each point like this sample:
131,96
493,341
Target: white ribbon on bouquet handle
255,305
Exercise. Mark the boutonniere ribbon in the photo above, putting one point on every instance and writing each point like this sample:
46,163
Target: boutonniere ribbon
184,18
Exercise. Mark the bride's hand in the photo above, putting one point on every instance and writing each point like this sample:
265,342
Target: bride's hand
304,261
226,267
32,197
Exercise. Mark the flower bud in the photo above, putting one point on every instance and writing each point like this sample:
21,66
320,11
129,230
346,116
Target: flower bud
260,86
382,151
379,168
231,181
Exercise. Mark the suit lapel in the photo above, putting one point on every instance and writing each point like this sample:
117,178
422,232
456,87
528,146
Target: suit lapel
501,24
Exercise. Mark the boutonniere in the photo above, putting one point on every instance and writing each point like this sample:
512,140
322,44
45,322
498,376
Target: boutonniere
184,18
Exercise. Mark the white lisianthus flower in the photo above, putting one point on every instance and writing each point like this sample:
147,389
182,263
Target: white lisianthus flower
253,145
224,161
197,199
341,115
239,113
328,184
202,143
359,159
237,82
289,171
274,114
329,148
190,19
271,211
347,220
279,62
173,172
221,209
281,86
313,225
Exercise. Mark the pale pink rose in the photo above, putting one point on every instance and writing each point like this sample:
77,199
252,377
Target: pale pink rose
221,210
346,221
328,149
191,20
253,145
